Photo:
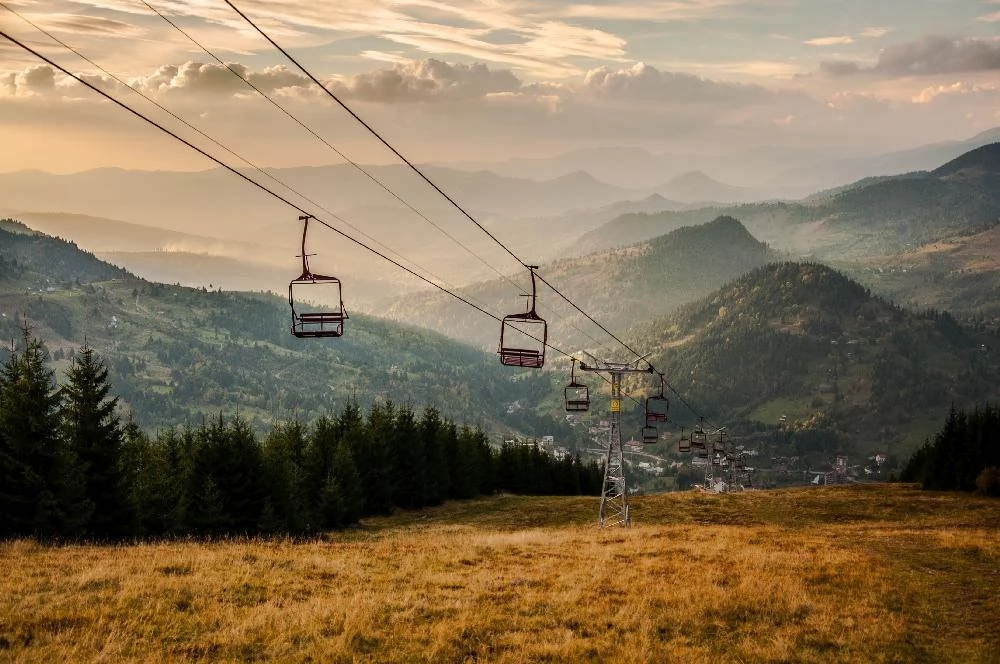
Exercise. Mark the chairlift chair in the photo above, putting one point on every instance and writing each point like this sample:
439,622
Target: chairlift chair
310,287
699,438
577,394
523,336
657,406
720,444
683,443
650,435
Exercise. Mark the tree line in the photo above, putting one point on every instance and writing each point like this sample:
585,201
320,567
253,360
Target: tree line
70,468
964,455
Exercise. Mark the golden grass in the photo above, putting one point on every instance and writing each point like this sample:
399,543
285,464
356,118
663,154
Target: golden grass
863,574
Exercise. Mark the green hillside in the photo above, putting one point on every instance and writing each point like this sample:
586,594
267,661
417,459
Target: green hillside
620,288
959,273
177,354
873,217
848,372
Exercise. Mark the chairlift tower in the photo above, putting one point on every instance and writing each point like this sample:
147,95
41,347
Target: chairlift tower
614,493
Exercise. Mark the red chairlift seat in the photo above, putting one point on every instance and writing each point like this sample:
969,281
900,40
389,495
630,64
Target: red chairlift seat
577,394
315,287
523,337
657,406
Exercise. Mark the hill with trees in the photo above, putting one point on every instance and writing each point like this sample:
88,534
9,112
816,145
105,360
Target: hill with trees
800,351
179,354
620,288
70,469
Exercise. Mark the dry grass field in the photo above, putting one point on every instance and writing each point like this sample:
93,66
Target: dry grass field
851,574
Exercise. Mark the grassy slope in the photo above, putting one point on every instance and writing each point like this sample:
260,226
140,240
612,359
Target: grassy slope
848,574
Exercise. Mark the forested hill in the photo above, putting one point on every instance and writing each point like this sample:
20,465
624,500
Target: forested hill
876,216
621,288
49,261
849,372
177,354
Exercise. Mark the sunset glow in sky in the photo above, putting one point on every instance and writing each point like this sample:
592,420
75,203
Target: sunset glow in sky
495,79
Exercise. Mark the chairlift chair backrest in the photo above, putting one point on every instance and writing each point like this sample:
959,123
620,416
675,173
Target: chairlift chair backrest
310,287
650,435
523,337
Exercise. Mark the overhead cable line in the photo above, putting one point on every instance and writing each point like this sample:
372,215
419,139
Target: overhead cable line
371,129
218,143
417,170
347,159
232,152
434,186
248,179
320,138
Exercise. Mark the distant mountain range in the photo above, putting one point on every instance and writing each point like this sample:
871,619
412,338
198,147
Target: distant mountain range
773,172
873,217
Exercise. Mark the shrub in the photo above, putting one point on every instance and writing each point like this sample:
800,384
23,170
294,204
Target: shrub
988,481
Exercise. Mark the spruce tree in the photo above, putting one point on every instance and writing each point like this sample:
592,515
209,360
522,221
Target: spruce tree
348,484
93,432
378,483
51,498
286,508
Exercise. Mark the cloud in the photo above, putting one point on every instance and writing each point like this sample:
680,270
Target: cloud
830,41
873,33
428,80
989,18
643,82
88,25
673,10
213,78
840,67
930,94
932,54
35,80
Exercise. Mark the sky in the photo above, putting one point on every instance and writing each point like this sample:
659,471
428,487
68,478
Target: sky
492,80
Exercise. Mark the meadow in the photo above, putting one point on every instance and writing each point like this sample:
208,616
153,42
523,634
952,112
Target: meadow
869,573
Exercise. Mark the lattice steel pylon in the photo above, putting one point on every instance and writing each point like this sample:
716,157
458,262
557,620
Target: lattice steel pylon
614,494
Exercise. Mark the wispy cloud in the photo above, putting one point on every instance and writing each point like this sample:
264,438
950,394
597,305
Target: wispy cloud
830,41
874,33
669,10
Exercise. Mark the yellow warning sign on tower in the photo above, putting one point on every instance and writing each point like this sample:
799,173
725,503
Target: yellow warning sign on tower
616,405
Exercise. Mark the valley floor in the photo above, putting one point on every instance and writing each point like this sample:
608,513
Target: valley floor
862,574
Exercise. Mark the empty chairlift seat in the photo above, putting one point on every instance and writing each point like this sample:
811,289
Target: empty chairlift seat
683,443
577,394
657,406
523,337
315,300
326,322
